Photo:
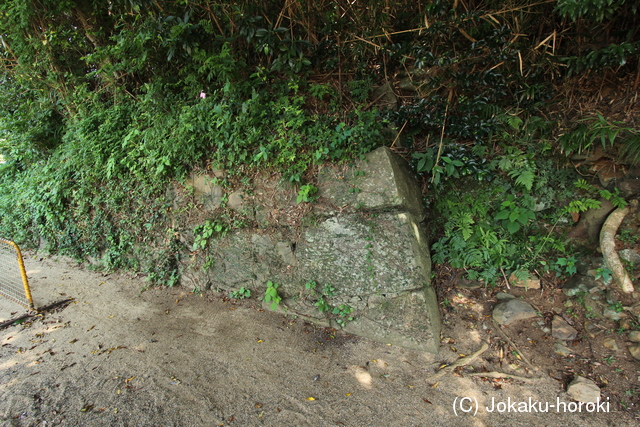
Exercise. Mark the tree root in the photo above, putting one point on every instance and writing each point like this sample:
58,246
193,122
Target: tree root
608,248
515,347
501,375
463,361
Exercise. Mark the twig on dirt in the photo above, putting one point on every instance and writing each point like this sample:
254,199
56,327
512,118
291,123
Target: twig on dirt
54,305
500,375
515,347
34,313
463,361
506,281
12,321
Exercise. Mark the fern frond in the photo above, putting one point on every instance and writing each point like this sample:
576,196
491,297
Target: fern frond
630,150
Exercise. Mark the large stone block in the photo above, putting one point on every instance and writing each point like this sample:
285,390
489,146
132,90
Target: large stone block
410,320
381,182
380,266
382,253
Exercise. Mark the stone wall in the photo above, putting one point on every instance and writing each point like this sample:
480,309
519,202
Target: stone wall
356,258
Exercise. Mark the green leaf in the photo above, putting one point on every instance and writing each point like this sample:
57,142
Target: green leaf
523,218
503,214
513,227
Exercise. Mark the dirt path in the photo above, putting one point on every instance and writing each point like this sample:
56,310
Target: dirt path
117,356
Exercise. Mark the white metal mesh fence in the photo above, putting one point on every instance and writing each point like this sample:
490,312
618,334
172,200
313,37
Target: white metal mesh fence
13,278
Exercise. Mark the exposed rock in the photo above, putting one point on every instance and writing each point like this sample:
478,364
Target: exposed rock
582,266
635,351
384,255
611,297
530,283
384,96
593,328
630,256
406,321
634,336
630,185
635,310
205,191
592,307
562,350
406,83
609,174
561,330
235,199
583,390
625,324
503,296
579,284
469,284
415,78
613,314
591,221
513,310
611,344
380,183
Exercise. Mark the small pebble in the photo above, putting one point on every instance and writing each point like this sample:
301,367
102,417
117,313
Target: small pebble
611,344
583,390
561,349
635,351
634,336
625,324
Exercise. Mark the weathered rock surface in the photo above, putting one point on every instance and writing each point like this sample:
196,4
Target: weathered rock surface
206,191
406,320
579,284
630,256
634,336
583,390
561,330
463,283
635,351
610,343
591,221
613,314
503,296
513,310
626,324
383,255
380,183
562,350
384,96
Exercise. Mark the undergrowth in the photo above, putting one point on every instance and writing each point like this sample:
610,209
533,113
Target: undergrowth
117,100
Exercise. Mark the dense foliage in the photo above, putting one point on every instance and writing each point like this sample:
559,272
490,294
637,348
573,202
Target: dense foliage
105,101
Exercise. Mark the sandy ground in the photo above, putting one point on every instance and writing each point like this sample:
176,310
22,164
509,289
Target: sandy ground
118,356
